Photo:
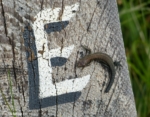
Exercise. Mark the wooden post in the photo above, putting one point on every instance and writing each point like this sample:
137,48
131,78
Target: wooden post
41,42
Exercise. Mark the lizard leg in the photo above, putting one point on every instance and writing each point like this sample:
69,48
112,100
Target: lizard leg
117,64
88,50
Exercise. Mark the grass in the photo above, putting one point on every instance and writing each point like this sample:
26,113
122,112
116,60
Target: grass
135,23
12,110
12,95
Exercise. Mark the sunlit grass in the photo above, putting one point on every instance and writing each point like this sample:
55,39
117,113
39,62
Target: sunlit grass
135,23
12,95
11,109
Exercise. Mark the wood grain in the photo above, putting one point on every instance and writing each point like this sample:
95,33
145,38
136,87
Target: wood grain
95,25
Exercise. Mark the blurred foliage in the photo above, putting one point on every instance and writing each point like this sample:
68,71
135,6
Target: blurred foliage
135,24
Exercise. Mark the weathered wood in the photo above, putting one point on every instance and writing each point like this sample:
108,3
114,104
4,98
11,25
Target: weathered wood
28,38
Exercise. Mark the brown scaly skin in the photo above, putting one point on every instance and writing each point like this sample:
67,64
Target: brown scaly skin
102,57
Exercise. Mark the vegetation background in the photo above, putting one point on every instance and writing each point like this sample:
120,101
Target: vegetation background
135,24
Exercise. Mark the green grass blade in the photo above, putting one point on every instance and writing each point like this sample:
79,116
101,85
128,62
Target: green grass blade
12,95
3,95
133,9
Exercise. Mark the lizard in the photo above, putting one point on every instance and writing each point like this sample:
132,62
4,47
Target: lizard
104,58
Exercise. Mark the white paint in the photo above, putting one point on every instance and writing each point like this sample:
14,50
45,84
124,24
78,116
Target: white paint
47,88
66,51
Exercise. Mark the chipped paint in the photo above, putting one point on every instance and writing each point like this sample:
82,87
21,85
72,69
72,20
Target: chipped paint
46,86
